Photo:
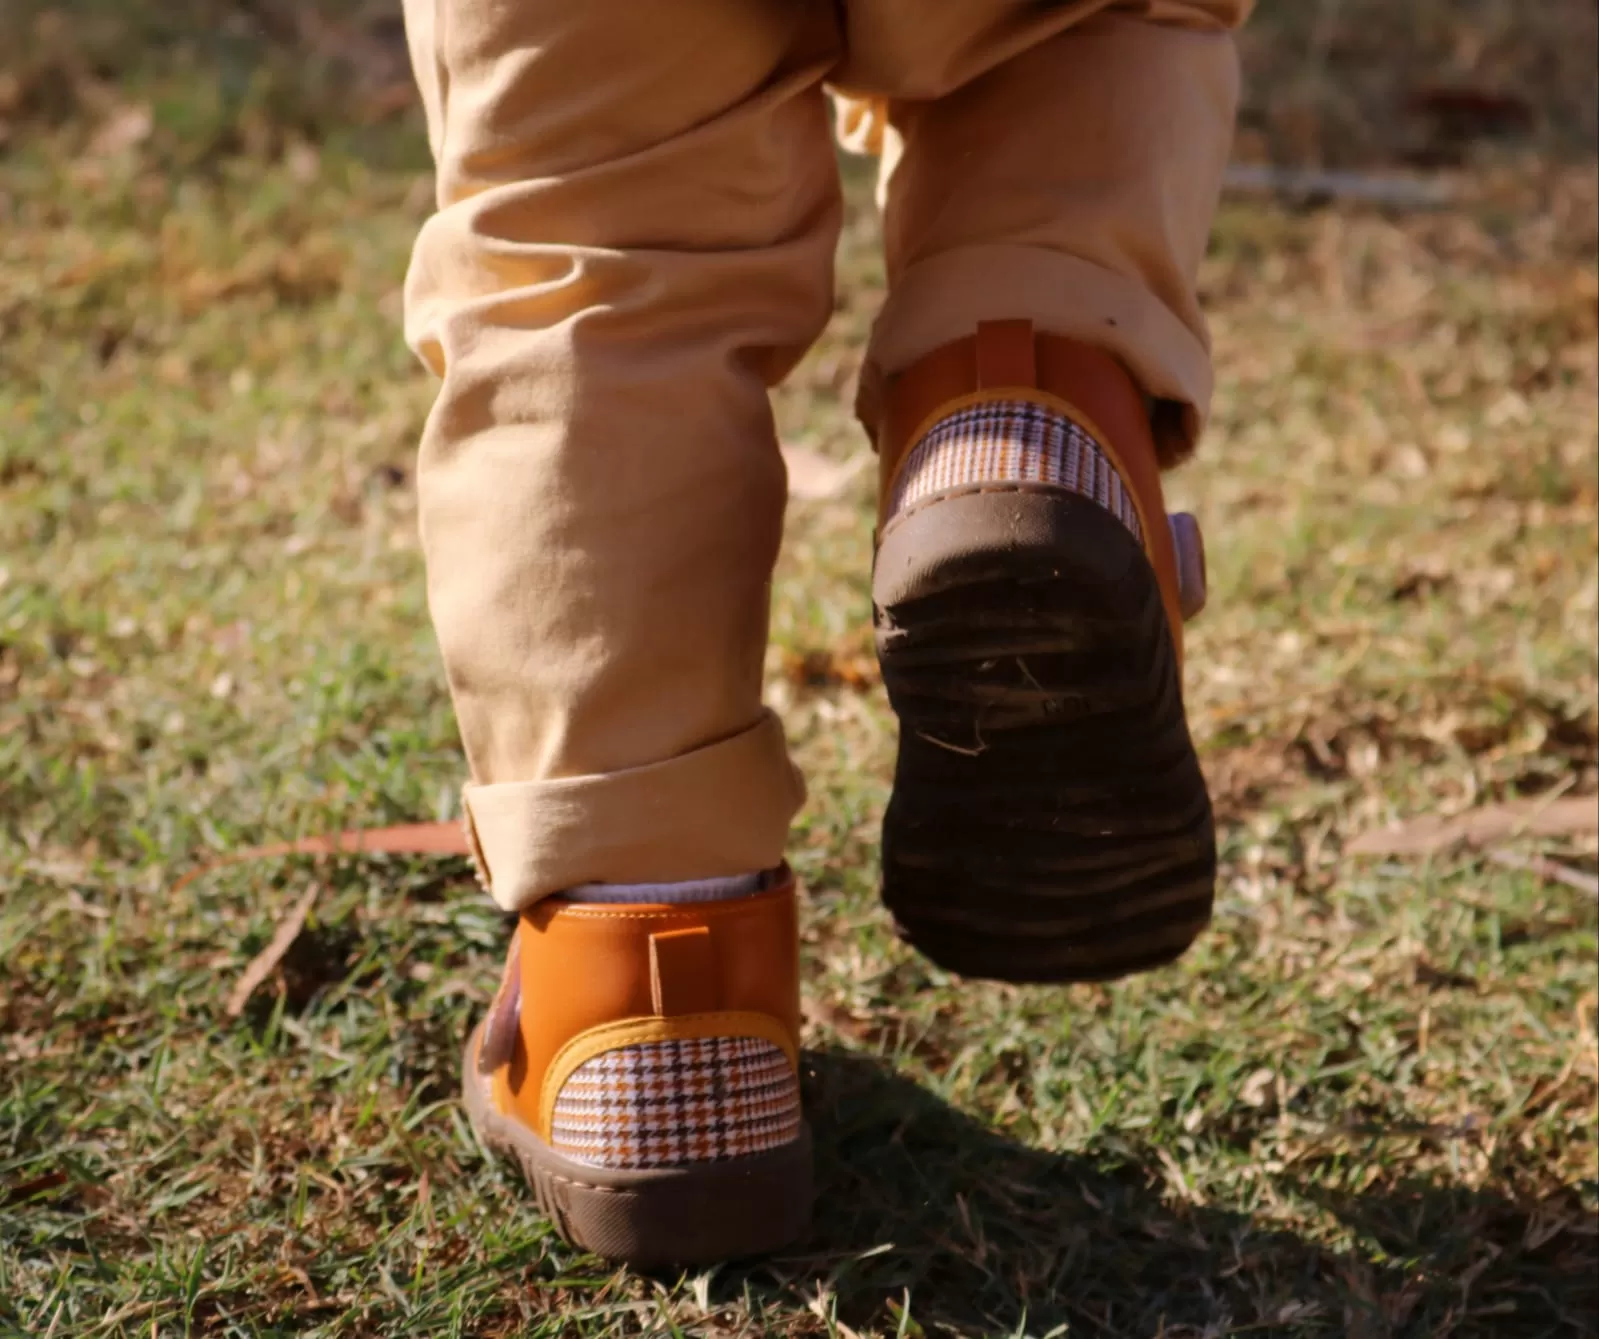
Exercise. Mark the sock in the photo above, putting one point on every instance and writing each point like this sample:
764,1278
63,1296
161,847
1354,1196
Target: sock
691,890
1012,441
1022,441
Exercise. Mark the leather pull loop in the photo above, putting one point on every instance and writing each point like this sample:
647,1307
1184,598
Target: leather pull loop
1005,355
682,972
1189,545
498,1042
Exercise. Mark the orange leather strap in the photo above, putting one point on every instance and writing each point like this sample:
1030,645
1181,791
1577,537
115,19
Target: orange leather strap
1012,360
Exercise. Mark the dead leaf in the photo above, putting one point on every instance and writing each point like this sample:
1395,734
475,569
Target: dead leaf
813,477
1440,978
1419,583
303,162
846,667
1257,1088
76,904
262,965
1462,112
28,1190
124,129
1480,827
61,864
819,1012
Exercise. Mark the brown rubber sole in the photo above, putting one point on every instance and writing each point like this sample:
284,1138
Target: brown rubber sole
1049,820
651,1218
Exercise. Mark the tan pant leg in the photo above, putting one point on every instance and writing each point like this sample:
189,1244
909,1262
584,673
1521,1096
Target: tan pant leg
1059,163
638,209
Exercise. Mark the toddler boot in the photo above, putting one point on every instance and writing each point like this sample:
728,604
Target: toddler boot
640,1063
1049,820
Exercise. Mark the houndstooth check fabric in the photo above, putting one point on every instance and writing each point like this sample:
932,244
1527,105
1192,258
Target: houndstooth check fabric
1012,441
671,1103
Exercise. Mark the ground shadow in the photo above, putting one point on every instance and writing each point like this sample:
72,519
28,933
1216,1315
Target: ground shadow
993,1238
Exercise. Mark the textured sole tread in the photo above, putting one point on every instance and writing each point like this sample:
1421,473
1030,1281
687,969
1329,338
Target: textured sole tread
1049,820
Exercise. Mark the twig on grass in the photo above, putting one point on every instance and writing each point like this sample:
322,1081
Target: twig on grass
1549,869
1319,183
262,965
1431,833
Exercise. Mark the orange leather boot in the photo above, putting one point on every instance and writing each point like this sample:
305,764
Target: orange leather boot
640,1062
1049,820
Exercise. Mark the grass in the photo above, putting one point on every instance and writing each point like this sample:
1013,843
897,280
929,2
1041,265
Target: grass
1364,1105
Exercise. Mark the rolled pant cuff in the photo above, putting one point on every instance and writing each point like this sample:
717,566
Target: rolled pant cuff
722,810
944,297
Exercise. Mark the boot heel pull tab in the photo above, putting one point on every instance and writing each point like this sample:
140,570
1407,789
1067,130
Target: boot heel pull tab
682,972
1189,546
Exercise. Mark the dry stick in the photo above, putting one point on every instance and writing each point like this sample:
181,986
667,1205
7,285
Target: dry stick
262,964
1548,869
1560,816
1393,191
447,839
404,839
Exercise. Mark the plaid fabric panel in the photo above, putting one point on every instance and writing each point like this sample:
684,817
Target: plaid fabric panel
1012,441
670,1103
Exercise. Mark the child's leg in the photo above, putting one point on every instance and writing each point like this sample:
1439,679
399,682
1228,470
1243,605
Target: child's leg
1056,170
638,208
1052,176
638,211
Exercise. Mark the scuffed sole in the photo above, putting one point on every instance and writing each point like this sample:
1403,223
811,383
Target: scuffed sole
1049,820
